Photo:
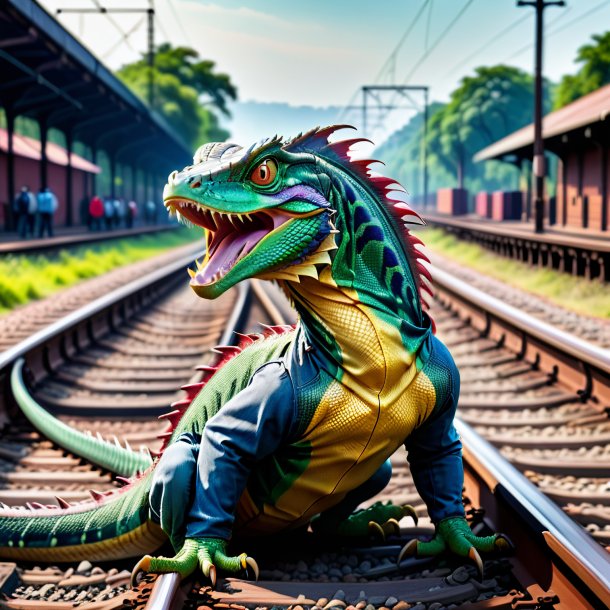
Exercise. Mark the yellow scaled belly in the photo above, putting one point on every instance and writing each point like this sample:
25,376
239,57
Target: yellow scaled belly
362,418
350,439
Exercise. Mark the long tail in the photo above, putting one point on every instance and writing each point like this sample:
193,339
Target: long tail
110,456
109,527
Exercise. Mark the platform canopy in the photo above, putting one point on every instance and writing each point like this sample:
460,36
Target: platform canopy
558,127
28,148
49,76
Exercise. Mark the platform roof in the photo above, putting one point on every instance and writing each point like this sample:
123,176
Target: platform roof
29,148
585,111
49,76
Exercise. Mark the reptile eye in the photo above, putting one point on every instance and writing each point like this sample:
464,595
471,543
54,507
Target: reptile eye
265,173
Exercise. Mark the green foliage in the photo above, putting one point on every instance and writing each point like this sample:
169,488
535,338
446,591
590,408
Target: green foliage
485,107
594,73
27,277
575,293
186,91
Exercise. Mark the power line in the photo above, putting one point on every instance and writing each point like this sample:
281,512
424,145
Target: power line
391,57
563,27
576,19
179,22
484,46
428,21
438,40
160,25
401,41
125,38
117,27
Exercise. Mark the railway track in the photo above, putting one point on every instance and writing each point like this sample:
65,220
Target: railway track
557,564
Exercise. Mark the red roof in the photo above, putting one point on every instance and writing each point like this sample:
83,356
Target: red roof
30,149
589,109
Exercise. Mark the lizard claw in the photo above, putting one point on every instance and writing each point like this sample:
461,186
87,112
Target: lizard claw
209,571
254,566
455,534
473,554
139,570
393,526
409,511
409,549
376,530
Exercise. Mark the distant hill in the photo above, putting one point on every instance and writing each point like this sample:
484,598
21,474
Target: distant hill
252,121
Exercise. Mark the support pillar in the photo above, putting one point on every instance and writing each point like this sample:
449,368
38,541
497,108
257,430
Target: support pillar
9,220
134,183
44,162
94,176
112,175
69,177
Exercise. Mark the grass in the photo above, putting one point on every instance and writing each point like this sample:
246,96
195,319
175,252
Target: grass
576,293
24,277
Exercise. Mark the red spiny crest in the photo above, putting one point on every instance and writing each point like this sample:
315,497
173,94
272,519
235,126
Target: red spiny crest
224,353
317,141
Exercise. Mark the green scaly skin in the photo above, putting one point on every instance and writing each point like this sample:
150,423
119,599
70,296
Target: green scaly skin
268,213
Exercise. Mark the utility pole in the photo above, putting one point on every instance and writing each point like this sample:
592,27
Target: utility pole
151,37
539,165
376,91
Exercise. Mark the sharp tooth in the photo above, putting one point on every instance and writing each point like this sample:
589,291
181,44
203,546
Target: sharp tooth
191,272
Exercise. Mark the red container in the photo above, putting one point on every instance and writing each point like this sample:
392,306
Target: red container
482,204
506,205
453,202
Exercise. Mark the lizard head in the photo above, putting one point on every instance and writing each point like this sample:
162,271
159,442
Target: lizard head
263,210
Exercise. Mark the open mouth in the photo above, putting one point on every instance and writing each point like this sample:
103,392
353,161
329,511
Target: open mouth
231,236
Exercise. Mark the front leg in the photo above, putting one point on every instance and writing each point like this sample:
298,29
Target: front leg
198,481
435,457
207,553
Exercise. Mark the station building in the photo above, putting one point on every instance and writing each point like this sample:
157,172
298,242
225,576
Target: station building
53,80
578,135
27,156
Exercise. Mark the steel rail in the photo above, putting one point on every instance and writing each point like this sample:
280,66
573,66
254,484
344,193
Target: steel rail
572,346
585,557
68,241
166,589
71,320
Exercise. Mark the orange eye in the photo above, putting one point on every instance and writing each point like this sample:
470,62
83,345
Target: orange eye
265,173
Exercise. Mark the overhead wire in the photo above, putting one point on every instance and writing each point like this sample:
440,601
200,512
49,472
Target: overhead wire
489,42
391,57
179,22
114,23
439,39
576,19
125,38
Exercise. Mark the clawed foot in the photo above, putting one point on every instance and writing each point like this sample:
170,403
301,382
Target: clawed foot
379,520
455,534
207,553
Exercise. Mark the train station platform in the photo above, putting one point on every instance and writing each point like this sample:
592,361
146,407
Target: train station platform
579,252
64,237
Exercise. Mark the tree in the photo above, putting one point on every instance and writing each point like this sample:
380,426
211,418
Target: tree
187,91
594,73
485,107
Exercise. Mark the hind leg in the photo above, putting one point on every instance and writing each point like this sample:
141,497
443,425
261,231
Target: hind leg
345,520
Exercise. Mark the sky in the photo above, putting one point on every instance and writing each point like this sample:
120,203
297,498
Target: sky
320,52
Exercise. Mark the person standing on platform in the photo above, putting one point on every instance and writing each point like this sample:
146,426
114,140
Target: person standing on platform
47,206
109,213
132,212
96,213
20,208
32,213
